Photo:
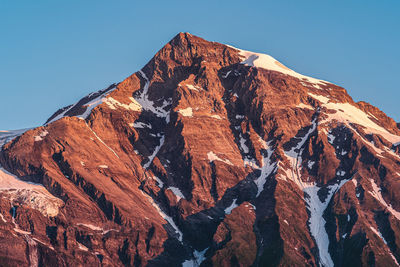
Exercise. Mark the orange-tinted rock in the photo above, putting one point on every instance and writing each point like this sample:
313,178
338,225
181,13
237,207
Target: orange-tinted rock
148,169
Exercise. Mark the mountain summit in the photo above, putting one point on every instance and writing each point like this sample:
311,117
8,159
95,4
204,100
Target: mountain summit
209,155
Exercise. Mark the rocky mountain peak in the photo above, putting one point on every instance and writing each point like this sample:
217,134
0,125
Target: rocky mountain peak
208,155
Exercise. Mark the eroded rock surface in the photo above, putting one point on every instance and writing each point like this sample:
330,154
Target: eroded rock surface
210,156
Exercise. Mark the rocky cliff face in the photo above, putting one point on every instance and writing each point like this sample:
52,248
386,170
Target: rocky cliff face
210,156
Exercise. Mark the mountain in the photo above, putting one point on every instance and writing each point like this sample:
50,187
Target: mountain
209,155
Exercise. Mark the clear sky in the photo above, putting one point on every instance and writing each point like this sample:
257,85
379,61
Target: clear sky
54,52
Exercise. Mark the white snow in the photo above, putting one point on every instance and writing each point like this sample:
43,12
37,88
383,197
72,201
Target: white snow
267,62
114,104
316,220
384,241
90,226
316,208
239,117
304,106
2,218
229,209
146,104
340,173
41,136
187,112
6,136
135,104
216,117
89,106
331,138
82,247
320,98
43,243
30,194
212,157
242,141
226,75
347,113
250,162
193,87
293,153
267,168
141,125
198,259
313,202
376,193
177,192
101,141
263,143
165,217
310,164
155,152
378,234
160,183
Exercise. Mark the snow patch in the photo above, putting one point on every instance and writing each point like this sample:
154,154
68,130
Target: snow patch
347,113
114,104
304,106
313,202
376,193
167,218
30,194
146,104
90,226
41,136
216,117
6,136
155,152
82,247
212,157
187,112
384,241
310,164
229,209
226,75
199,257
242,141
98,138
269,63
193,87
141,125
239,117
322,99
267,169
177,192
316,220
160,183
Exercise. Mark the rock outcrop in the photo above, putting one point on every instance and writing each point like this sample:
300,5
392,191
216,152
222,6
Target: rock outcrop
210,156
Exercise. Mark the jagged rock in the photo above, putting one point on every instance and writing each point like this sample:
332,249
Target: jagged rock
209,155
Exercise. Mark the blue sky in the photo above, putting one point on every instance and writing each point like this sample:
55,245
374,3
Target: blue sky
54,52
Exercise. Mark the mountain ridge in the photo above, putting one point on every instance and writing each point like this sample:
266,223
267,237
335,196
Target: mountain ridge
204,158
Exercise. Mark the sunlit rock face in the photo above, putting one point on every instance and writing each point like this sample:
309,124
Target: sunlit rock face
209,155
